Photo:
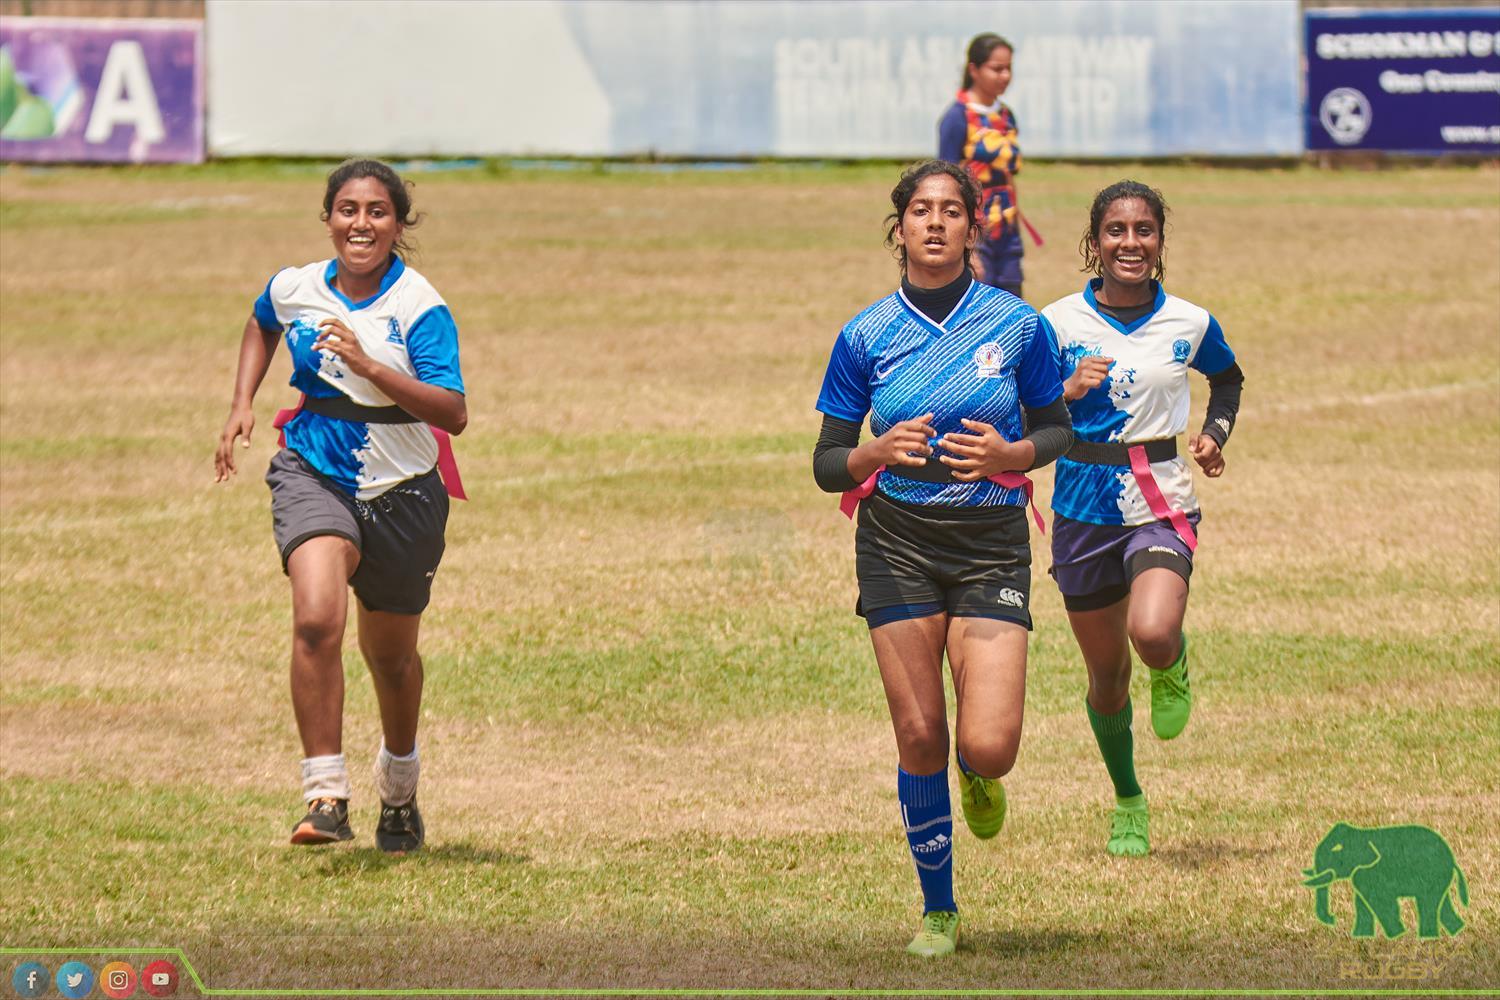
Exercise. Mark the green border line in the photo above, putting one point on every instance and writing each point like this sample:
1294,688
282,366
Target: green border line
674,992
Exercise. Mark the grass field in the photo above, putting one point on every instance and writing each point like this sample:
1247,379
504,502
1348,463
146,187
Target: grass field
656,753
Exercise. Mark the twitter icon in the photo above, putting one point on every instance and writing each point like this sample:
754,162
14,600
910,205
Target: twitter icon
74,980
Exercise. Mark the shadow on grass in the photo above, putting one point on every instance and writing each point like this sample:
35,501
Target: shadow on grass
1198,854
1026,944
352,860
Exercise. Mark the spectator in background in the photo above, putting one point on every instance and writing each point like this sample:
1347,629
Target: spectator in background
978,132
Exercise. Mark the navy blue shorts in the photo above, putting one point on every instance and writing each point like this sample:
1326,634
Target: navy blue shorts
1095,564
1002,266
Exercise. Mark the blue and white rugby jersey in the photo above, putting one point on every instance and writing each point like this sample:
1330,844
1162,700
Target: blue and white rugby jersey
1145,397
985,360
405,325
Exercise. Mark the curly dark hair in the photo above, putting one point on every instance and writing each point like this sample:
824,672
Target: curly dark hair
906,187
1119,191
399,191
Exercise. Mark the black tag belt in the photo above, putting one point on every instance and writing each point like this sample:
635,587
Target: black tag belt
932,472
1118,452
344,408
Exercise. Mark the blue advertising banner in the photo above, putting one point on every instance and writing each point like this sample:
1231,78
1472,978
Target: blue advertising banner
120,91
1409,81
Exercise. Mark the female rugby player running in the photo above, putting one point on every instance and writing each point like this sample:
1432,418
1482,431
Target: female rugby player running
356,497
944,366
1126,523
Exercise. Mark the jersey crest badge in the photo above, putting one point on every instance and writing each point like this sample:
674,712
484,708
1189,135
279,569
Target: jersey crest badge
990,359
394,337
1180,350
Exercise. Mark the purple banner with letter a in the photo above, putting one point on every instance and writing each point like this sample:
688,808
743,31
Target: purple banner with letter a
1408,81
117,91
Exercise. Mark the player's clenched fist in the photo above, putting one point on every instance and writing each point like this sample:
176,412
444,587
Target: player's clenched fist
1091,372
1208,456
906,442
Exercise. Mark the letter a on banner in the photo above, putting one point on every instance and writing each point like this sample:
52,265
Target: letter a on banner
125,97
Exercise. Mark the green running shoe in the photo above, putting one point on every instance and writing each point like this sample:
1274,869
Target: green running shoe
984,804
938,936
1128,831
1171,697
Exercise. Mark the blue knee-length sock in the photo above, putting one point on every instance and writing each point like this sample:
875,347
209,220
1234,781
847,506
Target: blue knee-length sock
928,817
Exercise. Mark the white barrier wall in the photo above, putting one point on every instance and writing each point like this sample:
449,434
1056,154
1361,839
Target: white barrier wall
856,79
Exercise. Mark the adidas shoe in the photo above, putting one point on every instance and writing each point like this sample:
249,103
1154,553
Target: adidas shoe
983,801
1129,835
327,820
400,829
1171,697
938,936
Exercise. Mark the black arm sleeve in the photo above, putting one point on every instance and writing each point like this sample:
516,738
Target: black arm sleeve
831,454
1050,430
1223,403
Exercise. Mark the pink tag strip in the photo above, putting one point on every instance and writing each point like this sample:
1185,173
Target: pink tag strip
284,417
447,465
1141,469
849,502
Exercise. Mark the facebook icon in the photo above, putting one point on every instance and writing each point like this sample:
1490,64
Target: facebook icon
29,979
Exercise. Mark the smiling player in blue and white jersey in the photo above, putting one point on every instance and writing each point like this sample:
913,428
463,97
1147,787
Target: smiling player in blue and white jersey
1127,518
356,495
952,373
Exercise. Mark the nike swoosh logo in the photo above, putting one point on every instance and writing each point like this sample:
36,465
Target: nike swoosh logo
883,374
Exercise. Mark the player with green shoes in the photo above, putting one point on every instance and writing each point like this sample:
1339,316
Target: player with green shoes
962,392
1127,519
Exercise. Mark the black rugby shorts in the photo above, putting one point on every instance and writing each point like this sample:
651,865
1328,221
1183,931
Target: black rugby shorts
973,561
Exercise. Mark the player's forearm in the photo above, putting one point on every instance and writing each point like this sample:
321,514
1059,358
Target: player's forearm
431,404
1223,403
1049,431
831,455
257,347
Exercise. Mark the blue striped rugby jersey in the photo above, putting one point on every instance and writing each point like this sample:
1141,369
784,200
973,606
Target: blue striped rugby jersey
1145,397
984,361
405,325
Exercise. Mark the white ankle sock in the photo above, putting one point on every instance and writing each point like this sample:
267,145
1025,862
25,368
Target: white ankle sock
325,777
396,777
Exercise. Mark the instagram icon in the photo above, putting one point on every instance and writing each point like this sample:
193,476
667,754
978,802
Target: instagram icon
117,980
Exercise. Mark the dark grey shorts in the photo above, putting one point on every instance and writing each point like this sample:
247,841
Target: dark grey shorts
399,534
974,562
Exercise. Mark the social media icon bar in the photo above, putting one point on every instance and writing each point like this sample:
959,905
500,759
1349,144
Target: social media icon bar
29,979
117,980
74,980
159,979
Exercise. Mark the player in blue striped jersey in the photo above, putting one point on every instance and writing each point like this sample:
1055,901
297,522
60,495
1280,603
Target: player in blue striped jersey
1127,517
960,383
355,496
